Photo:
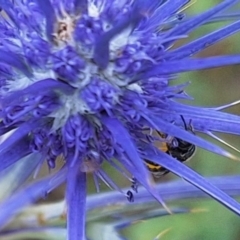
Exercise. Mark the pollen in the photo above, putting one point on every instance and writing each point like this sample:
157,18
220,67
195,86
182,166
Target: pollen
64,30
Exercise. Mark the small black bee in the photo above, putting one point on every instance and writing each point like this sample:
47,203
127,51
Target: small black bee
177,148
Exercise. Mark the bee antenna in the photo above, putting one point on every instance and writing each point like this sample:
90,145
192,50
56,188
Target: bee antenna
184,122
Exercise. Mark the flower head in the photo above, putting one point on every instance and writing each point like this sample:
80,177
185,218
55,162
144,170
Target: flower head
88,82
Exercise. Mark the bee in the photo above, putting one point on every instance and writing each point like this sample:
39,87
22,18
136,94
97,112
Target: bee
175,147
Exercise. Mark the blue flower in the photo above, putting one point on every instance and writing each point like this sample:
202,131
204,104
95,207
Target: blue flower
88,82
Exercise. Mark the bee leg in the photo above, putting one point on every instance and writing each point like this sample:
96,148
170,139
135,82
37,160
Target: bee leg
135,184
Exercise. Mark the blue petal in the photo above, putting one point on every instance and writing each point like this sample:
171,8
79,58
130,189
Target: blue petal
76,199
123,138
19,134
43,86
207,119
49,14
101,51
17,174
185,65
3,128
14,153
8,7
80,6
14,60
197,21
172,190
192,177
29,195
175,190
164,12
202,43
